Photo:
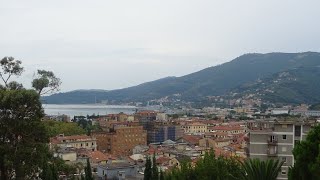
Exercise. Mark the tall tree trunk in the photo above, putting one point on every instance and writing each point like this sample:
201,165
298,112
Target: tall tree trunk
19,171
3,170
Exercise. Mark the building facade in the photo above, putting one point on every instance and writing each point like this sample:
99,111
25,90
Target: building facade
77,141
279,141
161,133
195,128
122,140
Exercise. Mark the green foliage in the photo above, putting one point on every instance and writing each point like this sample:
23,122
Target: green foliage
148,169
55,128
155,171
263,170
88,171
161,175
87,125
315,107
294,86
24,152
307,157
23,142
49,172
221,168
207,168
10,67
46,82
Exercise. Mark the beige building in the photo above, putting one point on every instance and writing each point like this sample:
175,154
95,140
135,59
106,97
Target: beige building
195,128
227,129
162,117
214,143
67,155
77,141
279,141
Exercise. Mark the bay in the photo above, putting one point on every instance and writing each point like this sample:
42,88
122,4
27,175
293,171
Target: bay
86,109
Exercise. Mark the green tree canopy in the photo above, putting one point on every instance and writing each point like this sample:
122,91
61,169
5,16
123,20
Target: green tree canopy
24,151
148,169
55,128
88,171
263,170
46,82
23,138
307,157
210,167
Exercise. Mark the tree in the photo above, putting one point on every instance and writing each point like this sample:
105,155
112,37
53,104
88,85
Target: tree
55,128
148,170
23,137
155,172
46,82
264,170
210,167
10,67
49,172
88,171
161,175
307,157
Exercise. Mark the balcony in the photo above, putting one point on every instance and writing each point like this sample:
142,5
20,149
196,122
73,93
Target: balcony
272,153
272,142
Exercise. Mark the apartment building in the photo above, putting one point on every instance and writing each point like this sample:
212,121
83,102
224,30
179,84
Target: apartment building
122,140
278,142
160,133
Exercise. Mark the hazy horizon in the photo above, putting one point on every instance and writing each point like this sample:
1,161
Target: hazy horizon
117,44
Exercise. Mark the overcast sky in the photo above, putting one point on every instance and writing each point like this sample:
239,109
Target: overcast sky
112,44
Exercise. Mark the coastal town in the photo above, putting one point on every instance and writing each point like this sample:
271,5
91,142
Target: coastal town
120,144
159,90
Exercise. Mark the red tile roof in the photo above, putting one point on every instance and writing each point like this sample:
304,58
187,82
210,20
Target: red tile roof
192,139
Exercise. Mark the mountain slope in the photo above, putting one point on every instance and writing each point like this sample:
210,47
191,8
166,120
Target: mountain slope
299,85
76,97
217,80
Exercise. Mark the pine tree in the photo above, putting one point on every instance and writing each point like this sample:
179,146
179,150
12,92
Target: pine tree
88,171
54,172
148,170
82,177
155,172
46,172
161,175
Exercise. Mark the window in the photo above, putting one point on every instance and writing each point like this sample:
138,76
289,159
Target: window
297,130
283,172
284,149
284,137
284,160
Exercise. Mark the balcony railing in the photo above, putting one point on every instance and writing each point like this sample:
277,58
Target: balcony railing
272,153
272,142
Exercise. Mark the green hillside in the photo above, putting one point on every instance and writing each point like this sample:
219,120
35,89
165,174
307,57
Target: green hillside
299,85
217,80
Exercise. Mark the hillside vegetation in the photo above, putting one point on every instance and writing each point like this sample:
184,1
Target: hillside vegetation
217,80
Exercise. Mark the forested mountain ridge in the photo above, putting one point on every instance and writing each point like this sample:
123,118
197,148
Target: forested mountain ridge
294,86
212,81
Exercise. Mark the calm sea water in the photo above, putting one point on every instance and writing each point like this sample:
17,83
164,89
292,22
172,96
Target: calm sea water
84,109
